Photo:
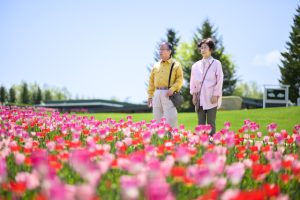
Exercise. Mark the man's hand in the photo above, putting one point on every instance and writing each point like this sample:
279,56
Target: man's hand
169,93
214,99
149,102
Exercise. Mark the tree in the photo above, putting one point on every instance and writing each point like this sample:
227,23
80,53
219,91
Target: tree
66,92
48,95
12,95
37,95
24,94
290,68
3,94
58,94
207,31
250,90
184,55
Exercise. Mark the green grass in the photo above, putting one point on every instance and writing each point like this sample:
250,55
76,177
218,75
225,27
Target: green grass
284,117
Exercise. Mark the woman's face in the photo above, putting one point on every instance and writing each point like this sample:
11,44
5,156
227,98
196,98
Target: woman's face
205,50
164,52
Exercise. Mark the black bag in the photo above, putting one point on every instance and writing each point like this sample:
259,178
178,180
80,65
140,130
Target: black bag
177,99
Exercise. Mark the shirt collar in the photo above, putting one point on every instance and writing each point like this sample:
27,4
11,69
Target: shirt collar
167,61
208,60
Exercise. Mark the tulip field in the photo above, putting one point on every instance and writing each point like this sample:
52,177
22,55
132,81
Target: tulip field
45,154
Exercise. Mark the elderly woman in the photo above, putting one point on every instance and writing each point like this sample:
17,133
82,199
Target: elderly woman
206,84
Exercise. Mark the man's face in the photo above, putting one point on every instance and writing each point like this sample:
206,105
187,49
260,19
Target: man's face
164,52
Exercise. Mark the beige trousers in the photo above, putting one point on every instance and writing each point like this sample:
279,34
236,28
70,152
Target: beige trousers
163,107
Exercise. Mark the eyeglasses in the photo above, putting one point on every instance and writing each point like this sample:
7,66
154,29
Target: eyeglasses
203,47
164,49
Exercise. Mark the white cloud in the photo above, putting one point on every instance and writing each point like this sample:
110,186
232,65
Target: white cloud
269,59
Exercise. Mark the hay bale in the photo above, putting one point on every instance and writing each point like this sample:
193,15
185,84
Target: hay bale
231,103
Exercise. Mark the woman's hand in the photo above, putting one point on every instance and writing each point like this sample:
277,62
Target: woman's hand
214,99
195,100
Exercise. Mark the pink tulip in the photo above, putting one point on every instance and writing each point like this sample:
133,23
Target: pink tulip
147,136
30,179
105,163
84,192
82,164
278,155
235,172
276,165
193,139
19,158
181,127
200,129
259,134
230,194
161,133
51,145
266,139
124,164
210,157
119,144
129,187
220,183
182,154
272,127
247,122
204,139
297,140
258,144
150,150
166,165
217,138
127,132
153,164
279,138
103,132
129,118
247,163
39,160
227,125
220,150
230,141
282,197
201,175
56,190
90,142
158,189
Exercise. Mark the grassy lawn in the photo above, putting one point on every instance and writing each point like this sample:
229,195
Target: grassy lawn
285,118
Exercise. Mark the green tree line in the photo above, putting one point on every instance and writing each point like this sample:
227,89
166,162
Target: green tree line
30,94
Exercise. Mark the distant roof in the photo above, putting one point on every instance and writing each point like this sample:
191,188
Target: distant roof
89,102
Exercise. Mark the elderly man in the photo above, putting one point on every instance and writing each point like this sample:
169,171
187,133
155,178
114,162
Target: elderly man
159,89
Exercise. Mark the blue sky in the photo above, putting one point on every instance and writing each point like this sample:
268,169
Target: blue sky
100,49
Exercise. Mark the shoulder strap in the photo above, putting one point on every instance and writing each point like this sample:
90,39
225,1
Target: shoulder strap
170,74
205,74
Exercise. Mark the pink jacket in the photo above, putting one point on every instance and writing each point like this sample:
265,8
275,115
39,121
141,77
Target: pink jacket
213,82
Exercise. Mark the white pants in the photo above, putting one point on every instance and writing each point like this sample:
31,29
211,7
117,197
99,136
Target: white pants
163,107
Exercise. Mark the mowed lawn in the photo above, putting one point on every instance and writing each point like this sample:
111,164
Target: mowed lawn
284,117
